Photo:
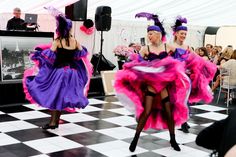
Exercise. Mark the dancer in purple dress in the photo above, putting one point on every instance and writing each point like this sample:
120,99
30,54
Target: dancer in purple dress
63,75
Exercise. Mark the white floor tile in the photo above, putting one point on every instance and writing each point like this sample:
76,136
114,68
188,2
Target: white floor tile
180,136
209,108
119,132
34,107
29,115
96,101
69,129
53,144
1,112
15,126
7,140
212,115
118,103
185,152
42,155
89,108
115,149
122,120
122,111
77,117
206,125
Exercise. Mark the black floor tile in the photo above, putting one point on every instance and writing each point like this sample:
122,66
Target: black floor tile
90,138
195,146
78,152
228,111
109,99
6,118
13,109
107,106
42,121
195,130
149,142
199,120
103,114
5,153
148,131
39,122
194,111
97,125
162,142
20,150
62,112
147,154
30,134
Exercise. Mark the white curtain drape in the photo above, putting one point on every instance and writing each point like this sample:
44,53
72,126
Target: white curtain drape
200,12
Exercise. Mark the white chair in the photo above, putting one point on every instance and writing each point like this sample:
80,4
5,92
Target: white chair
225,84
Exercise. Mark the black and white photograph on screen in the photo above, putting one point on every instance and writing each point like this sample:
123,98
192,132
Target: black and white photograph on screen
15,56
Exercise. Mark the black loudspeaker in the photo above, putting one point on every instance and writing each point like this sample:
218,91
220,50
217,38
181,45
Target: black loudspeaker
103,18
103,64
77,11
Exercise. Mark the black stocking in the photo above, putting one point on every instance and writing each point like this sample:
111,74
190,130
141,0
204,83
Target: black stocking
143,118
170,122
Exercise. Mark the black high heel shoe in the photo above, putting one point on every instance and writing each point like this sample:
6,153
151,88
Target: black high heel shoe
134,143
185,127
47,126
175,145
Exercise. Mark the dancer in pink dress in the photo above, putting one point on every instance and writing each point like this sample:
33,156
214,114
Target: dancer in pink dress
154,86
200,72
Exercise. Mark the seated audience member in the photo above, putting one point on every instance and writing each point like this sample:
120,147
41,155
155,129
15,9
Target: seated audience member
203,53
209,48
131,44
197,50
226,54
214,55
219,49
136,47
220,136
230,64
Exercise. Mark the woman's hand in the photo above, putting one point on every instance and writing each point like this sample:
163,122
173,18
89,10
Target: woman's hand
144,51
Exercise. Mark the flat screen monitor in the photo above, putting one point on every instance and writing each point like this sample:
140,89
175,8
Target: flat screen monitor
14,55
31,18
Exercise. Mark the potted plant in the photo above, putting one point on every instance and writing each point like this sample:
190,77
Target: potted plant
122,53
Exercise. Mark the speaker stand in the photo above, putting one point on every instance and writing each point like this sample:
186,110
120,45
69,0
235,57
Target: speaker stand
101,56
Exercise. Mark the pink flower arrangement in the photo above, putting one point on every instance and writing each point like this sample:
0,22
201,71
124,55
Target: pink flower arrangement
123,52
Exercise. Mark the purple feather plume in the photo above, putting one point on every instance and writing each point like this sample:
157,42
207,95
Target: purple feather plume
63,25
181,19
178,23
153,17
149,16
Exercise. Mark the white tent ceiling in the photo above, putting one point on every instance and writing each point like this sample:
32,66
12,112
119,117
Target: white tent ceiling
198,12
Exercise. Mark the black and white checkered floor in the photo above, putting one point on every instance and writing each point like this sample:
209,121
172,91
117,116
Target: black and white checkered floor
104,128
